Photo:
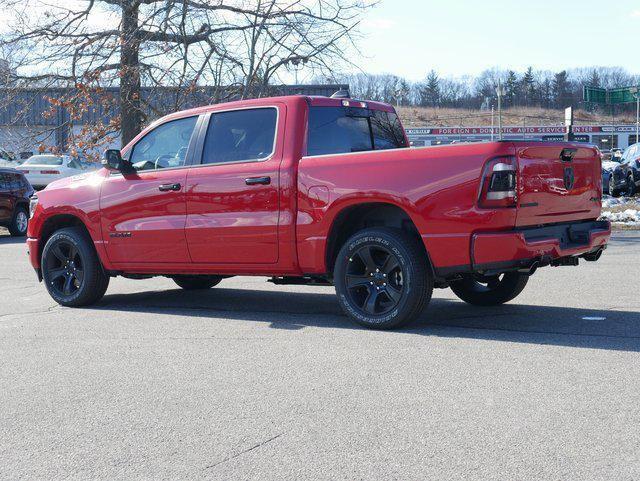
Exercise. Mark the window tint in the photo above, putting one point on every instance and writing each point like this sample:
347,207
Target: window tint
240,135
4,182
337,130
331,131
24,182
14,182
387,131
165,146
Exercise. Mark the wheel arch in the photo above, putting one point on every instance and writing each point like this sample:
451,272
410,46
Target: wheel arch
356,217
62,221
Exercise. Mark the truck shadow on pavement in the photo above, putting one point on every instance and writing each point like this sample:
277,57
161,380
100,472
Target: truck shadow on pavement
533,324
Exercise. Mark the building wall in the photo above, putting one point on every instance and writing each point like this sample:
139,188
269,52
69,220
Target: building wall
27,119
604,136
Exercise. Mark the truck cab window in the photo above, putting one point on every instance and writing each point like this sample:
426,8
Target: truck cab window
387,131
240,135
165,146
339,130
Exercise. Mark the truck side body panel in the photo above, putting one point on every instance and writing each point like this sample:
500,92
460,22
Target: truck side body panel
436,186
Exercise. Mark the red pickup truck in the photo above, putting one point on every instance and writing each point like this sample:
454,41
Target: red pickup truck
322,191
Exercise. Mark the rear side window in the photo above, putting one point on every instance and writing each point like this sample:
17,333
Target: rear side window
387,131
4,182
24,182
339,130
15,182
240,135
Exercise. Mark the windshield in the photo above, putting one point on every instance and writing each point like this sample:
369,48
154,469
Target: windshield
43,160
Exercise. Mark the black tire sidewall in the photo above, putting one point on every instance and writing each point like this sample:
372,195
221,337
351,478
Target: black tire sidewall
413,281
510,287
89,262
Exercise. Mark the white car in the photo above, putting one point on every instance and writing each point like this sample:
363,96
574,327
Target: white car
41,170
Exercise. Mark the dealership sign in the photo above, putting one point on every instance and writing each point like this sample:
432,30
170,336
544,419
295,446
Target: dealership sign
540,130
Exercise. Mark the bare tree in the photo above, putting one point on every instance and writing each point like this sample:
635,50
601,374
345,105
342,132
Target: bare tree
238,48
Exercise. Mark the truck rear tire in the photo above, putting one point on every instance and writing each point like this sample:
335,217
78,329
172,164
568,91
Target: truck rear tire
382,278
191,283
490,290
71,269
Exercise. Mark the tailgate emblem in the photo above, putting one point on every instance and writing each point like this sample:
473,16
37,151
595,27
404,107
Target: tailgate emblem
569,178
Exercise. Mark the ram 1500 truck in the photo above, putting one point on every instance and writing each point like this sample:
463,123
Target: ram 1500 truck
325,191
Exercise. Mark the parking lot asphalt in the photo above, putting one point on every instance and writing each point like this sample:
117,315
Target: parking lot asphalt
255,381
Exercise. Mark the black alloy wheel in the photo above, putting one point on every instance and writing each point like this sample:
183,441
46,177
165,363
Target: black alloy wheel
71,269
65,268
374,280
382,277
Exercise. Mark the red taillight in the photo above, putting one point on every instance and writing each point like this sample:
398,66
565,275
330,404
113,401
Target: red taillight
51,172
498,188
23,171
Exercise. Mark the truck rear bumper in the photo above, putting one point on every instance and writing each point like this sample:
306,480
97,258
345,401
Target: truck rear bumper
529,248
539,246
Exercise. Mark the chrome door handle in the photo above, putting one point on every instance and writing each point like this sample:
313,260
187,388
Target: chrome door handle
258,181
169,187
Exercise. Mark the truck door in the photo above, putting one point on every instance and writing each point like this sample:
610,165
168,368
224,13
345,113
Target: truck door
143,213
232,196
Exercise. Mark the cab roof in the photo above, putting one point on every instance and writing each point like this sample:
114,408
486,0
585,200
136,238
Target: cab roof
312,100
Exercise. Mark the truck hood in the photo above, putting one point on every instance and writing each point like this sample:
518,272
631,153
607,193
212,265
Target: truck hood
92,178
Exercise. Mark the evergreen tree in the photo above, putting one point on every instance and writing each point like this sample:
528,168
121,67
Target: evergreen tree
511,88
594,79
561,90
528,86
431,90
404,89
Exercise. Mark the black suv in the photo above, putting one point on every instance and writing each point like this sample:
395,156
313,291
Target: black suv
626,176
15,192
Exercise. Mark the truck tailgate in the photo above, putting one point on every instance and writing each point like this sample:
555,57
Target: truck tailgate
558,183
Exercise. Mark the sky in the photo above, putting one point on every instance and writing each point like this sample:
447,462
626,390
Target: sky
457,37
464,37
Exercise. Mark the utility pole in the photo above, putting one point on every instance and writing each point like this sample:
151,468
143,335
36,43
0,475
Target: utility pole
492,109
636,93
500,92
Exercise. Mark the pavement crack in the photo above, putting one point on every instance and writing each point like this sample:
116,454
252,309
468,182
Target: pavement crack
28,313
255,446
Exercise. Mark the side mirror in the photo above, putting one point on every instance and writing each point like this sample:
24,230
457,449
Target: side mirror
112,160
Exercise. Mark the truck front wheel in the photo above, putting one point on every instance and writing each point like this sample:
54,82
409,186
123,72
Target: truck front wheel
71,269
382,278
490,290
